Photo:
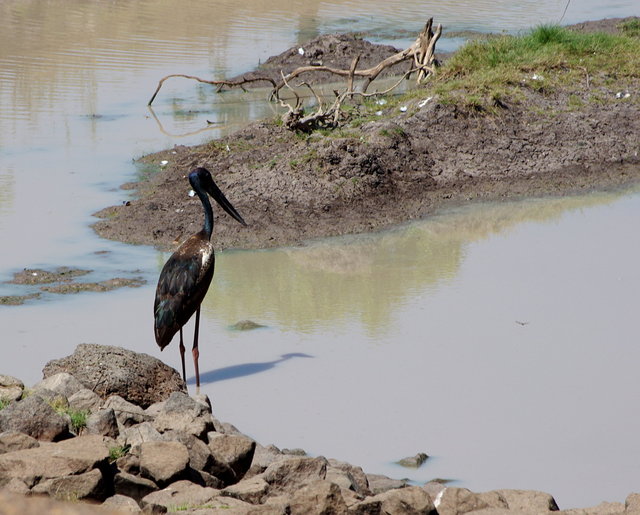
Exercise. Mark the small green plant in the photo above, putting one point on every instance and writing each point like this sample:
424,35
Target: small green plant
631,28
118,452
4,403
78,419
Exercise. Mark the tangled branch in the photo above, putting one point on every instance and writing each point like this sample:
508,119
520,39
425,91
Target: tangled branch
421,53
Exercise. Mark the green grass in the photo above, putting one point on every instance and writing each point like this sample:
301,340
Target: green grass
544,59
631,28
118,452
4,403
78,417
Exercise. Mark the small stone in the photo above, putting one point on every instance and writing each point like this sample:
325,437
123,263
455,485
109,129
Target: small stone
414,461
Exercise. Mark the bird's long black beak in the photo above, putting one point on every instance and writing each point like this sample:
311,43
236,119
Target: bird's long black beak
214,191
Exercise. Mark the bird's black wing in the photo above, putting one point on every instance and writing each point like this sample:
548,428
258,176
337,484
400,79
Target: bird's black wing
177,294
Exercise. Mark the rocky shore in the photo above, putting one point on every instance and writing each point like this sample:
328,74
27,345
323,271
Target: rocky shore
112,431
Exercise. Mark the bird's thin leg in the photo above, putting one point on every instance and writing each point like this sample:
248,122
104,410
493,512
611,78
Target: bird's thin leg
184,375
195,351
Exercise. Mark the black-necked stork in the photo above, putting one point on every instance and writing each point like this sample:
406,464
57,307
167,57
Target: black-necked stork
187,274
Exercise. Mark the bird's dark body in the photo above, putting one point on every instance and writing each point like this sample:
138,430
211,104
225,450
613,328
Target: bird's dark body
187,274
183,283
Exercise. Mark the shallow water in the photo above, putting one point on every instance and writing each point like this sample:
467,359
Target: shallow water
499,339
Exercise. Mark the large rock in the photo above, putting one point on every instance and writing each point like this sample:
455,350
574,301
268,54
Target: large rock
34,417
528,500
16,441
253,490
12,504
318,498
163,462
182,413
201,459
181,494
88,485
53,460
133,486
456,501
85,399
348,476
290,475
11,388
102,422
62,383
127,414
235,450
108,370
135,435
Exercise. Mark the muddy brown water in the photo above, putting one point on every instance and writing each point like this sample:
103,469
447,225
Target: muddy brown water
500,340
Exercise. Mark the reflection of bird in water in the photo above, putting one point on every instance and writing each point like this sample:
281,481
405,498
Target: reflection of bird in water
186,276
247,369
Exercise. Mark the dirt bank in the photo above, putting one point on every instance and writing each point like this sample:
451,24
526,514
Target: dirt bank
409,162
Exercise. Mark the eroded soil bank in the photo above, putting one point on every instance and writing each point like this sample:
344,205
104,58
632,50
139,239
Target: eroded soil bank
407,163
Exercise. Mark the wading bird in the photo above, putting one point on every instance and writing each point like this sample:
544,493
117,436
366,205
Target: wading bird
187,274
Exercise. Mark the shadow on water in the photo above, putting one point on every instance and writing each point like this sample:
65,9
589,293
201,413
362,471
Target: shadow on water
246,369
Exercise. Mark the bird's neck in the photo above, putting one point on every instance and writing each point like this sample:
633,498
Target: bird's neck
208,214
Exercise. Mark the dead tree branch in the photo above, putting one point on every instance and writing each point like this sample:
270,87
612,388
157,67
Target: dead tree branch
219,83
421,53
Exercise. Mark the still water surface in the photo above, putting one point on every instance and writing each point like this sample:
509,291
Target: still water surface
499,339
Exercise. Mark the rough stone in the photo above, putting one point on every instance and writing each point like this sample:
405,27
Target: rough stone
102,422
127,413
34,417
456,501
88,485
136,435
528,500
357,479
85,399
16,486
11,388
604,508
235,450
253,490
318,498
632,503
264,456
181,413
121,503
409,500
163,462
294,473
379,483
201,459
13,504
414,461
182,494
133,486
108,370
62,383
49,461
15,441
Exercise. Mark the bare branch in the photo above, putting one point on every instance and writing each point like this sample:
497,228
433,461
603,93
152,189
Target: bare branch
219,83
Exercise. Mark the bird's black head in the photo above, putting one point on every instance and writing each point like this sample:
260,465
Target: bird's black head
202,182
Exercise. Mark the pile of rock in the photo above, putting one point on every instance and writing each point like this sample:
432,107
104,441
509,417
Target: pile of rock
167,453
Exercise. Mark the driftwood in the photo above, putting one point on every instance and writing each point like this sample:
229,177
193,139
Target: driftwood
421,53
219,83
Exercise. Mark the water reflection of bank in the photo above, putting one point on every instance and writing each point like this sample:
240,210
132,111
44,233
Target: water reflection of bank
366,277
